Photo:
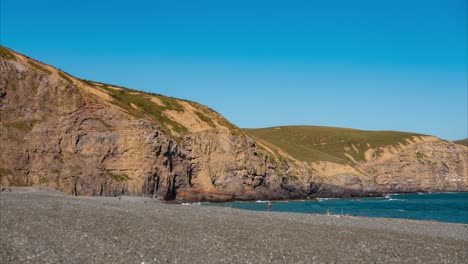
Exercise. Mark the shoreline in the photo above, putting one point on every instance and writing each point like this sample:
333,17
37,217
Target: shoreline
46,226
146,199
241,199
343,204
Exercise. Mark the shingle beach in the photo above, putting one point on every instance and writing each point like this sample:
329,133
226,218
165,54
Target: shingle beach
45,226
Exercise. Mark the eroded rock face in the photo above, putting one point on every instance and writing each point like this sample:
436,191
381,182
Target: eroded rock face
57,131
425,164
57,134
429,164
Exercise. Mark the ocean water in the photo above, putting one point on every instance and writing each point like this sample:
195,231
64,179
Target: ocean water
442,207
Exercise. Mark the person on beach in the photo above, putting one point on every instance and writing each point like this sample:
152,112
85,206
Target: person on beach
269,205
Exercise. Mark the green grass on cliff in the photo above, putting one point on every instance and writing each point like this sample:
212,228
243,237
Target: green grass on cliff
205,119
314,143
6,53
5,172
39,67
139,104
64,76
145,108
22,125
13,182
118,177
463,142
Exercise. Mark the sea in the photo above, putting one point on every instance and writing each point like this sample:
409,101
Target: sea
441,207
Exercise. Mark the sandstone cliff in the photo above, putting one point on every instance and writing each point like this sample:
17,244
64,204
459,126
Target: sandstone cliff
89,138
371,161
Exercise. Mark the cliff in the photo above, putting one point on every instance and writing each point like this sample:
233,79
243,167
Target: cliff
90,138
372,161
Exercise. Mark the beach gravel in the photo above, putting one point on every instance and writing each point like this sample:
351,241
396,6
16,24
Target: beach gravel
45,226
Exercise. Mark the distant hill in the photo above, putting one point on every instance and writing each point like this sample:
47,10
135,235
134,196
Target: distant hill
317,143
463,142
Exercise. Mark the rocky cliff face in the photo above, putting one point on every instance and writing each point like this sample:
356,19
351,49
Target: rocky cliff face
424,164
88,138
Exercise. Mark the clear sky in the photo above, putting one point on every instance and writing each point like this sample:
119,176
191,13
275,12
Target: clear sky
377,65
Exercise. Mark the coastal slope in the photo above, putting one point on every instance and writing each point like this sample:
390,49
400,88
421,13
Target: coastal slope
90,138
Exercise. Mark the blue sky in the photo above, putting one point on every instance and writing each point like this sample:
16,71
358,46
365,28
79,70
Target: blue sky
377,65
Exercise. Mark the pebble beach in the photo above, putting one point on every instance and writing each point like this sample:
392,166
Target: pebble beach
40,225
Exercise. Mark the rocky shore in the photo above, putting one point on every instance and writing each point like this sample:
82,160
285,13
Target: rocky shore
46,226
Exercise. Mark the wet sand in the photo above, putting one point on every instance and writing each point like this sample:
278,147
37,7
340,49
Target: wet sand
46,226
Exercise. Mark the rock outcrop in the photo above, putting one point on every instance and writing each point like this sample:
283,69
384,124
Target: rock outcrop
89,138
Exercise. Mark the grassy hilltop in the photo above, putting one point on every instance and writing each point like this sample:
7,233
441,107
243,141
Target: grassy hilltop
463,142
316,143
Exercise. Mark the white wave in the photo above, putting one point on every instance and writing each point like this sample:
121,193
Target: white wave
260,201
199,203
326,199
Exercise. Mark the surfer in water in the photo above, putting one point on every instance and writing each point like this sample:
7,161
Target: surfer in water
269,205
